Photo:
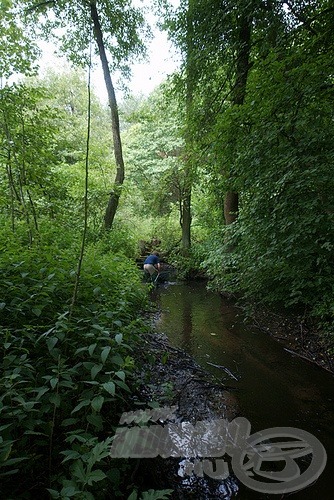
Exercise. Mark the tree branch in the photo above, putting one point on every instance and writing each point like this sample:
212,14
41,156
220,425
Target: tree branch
40,4
298,15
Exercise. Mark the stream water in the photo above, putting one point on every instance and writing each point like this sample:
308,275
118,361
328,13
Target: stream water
273,387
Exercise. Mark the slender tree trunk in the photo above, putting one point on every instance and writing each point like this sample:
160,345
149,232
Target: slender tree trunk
188,167
115,193
186,221
231,201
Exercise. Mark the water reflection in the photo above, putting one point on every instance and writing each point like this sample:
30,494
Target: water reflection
275,389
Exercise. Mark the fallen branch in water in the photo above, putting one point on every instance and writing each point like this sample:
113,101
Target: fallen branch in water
290,351
226,370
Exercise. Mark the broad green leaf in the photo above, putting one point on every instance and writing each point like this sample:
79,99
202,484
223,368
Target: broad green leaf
55,399
51,342
117,360
122,385
37,311
6,452
95,420
119,338
54,493
109,387
82,404
121,375
54,381
69,421
104,354
91,349
95,370
96,475
97,403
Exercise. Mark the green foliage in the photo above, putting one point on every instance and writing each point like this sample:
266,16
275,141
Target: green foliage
67,369
281,251
58,392
220,263
68,96
151,495
122,26
189,265
152,149
275,149
65,374
167,230
30,185
287,214
18,51
41,283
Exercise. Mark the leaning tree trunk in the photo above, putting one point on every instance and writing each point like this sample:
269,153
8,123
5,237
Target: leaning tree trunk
231,201
115,193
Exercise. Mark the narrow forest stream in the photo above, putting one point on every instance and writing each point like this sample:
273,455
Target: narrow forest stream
274,388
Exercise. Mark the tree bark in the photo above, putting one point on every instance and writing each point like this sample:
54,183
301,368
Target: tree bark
186,221
120,172
231,201
188,167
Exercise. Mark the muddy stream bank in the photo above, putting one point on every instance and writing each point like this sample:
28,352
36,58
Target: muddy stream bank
210,365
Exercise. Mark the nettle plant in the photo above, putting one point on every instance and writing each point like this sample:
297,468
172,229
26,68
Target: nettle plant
51,408
65,377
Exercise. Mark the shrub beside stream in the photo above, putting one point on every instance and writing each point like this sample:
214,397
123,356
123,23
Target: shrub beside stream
65,376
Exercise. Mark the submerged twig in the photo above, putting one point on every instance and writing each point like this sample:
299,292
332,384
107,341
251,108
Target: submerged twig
226,370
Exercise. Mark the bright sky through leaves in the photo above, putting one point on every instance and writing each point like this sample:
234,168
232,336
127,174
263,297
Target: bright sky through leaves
162,60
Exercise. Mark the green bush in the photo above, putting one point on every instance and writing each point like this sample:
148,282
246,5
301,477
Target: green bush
65,373
281,164
221,261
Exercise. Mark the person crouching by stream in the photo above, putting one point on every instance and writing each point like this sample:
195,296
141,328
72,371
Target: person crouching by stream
152,264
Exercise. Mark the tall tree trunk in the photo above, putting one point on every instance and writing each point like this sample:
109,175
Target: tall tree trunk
115,193
231,205
188,167
186,220
231,201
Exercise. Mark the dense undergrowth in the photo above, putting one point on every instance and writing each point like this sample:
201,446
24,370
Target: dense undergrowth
66,370
294,281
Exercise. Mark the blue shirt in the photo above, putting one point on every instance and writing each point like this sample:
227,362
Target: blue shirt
152,259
